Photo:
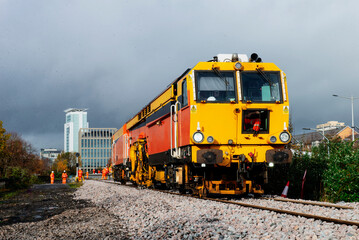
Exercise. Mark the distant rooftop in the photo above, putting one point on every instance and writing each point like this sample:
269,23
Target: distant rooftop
330,125
50,149
75,110
309,137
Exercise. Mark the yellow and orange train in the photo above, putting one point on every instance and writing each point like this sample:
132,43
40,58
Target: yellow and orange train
215,130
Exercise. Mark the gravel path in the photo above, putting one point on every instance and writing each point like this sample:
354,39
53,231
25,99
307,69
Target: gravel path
50,212
155,215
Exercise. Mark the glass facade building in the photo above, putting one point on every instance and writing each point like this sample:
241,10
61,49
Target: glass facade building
75,119
95,147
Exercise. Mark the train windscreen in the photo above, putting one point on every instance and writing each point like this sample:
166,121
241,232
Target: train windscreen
261,86
216,86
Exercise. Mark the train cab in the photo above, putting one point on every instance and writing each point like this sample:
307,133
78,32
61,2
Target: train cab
239,117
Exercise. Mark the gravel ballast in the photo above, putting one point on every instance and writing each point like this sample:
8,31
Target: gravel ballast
148,214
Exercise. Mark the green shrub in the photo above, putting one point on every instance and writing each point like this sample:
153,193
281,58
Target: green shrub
18,178
341,180
333,177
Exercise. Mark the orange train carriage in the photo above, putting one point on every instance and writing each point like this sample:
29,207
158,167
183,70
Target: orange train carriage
214,130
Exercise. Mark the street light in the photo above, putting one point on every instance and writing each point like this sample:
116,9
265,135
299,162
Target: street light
77,164
352,101
324,137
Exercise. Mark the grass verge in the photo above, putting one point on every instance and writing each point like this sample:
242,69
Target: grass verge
7,194
75,184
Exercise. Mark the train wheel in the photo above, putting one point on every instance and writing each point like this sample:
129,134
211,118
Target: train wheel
116,175
182,190
203,192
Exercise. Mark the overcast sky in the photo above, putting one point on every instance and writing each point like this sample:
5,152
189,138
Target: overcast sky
114,56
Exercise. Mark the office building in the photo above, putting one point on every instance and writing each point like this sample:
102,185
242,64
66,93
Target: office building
75,119
95,147
49,153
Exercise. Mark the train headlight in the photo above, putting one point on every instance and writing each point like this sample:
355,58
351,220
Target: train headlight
198,137
273,139
210,139
238,66
271,164
284,137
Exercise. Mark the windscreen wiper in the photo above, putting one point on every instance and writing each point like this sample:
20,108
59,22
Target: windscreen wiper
219,74
264,76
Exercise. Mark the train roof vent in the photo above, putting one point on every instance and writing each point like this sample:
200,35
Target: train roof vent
232,57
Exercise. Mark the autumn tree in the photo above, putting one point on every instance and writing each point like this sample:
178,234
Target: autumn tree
22,154
3,149
19,161
16,152
59,165
65,161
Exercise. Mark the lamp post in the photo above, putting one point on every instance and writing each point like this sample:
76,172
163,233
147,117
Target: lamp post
77,164
351,98
324,137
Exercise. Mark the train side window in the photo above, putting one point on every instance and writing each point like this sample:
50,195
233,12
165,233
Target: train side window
184,94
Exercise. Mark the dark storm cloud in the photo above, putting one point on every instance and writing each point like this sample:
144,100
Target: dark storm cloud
114,56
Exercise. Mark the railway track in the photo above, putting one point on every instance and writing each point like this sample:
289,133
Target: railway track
322,204
277,210
306,215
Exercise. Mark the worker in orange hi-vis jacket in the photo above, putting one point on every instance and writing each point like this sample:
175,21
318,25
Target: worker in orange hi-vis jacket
110,172
80,175
106,172
52,177
93,171
64,177
253,120
103,174
87,174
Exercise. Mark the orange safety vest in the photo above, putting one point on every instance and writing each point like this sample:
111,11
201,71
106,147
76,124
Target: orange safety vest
64,175
255,122
80,173
257,125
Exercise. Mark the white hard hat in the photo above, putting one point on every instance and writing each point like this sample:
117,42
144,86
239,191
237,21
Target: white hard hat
64,170
52,171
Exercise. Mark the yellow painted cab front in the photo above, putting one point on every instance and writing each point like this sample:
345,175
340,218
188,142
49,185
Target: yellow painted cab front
239,124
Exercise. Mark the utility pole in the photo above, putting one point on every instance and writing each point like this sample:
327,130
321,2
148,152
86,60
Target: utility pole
351,98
